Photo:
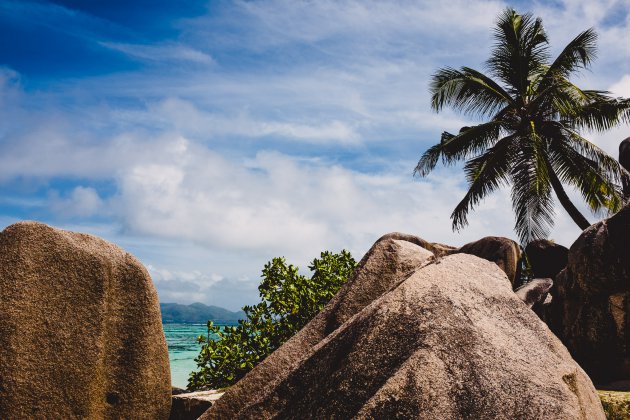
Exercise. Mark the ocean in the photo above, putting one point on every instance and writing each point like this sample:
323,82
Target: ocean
182,350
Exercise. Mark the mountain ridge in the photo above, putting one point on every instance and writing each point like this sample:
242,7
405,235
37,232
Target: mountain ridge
198,312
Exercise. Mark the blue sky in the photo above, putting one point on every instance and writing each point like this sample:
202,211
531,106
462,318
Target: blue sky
208,137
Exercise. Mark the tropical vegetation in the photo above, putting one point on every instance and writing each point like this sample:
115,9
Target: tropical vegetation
530,135
289,300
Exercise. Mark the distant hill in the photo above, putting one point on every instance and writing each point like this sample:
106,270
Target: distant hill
198,313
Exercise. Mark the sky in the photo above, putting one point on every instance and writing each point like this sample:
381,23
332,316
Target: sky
207,137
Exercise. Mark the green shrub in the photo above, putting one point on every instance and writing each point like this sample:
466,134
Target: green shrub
288,301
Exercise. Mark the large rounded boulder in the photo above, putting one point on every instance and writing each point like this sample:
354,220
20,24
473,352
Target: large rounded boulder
624,160
590,310
546,258
504,252
443,338
80,329
392,259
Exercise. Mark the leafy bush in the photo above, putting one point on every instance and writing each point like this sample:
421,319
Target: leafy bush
289,301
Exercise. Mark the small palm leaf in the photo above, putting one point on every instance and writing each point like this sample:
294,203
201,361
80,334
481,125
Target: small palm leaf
531,192
467,90
485,174
578,54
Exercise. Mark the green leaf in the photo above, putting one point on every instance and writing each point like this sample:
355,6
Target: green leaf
288,302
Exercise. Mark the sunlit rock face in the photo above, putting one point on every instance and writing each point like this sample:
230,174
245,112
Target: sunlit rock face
392,259
80,329
414,335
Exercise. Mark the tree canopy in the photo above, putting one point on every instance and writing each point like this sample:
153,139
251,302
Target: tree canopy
531,135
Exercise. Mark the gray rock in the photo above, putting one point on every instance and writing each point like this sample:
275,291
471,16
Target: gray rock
504,252
534,292
448,340
191,405
624,160
392,259
546,258
590,310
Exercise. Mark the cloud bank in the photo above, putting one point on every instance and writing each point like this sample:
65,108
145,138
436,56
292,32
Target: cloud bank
246,134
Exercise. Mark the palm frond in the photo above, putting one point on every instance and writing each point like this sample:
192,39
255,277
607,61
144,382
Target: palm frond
601,113
469,142
532,201
626,114
606,164
577,108
428,160
485,174
578,54
548,101
520,50
575,169
468,91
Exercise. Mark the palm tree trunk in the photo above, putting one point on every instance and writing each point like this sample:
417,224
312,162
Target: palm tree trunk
575,214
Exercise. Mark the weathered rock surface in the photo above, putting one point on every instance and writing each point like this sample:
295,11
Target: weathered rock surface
451,340
176,390
391,259
535,292
80,329
590,310
191,405
503,252
546,258
624,160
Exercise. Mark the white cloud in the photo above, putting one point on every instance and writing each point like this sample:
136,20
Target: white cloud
316,22
622,87
215,169
81,202
163,274
195,286
185,117
8,78
287,205
54,146
161,52
10,95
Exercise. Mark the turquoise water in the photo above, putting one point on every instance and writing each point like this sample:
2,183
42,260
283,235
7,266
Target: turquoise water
182,350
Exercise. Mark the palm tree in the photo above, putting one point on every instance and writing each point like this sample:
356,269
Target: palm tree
532,138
